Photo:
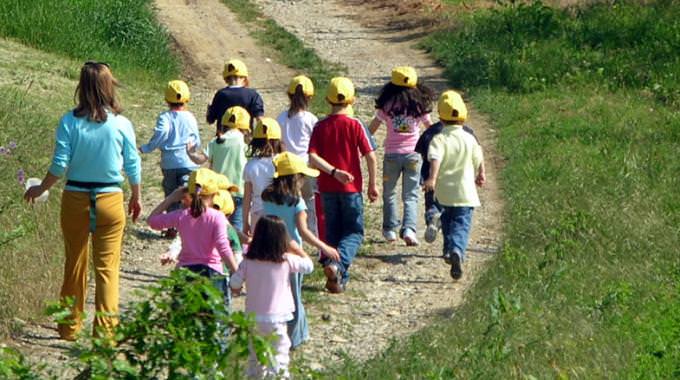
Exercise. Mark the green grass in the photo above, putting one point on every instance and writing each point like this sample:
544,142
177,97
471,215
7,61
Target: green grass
123,33
38,89
289,49
588,282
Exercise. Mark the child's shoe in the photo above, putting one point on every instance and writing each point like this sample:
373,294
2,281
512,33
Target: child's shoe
432,228
447,257
332,279
456,266
390,236
410,238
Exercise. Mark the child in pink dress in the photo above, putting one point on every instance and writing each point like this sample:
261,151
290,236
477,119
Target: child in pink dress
272,258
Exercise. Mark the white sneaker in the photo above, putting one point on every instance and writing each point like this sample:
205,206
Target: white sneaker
390,236
410,238
433,228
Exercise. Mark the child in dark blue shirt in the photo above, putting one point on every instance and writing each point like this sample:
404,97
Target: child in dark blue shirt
237,93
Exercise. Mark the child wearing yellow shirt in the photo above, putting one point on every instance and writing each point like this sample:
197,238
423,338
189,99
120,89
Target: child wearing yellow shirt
456,166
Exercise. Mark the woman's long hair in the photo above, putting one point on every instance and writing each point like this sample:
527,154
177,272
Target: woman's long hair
96,92
398,100
270,240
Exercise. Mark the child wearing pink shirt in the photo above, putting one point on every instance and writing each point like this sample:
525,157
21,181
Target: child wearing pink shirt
404,106
202,229
271,259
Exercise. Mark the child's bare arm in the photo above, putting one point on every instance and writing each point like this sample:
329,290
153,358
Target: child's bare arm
431,181
174,197
295,249
309,237
196,156
375,124
372,164
481,175
247,198
323,165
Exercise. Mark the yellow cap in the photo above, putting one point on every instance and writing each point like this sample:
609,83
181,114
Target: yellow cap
288,163
177,92
209,182
235,67
306,83
404,76
451,107
267,128
340,91
236,117
224,201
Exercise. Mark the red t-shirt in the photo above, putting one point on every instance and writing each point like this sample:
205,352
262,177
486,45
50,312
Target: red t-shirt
342,141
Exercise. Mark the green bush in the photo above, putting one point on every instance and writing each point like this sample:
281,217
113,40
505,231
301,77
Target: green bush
527,46
123,33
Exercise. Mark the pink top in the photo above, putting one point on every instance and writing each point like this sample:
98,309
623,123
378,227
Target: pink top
402,131
204,239
268,285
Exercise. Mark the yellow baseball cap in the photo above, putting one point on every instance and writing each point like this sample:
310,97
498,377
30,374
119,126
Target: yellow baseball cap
267,128
340,91
236,117
306,83
404,76
235,67
288,163
224,201
451,107
177,92
209,182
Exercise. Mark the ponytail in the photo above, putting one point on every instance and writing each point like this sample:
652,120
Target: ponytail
197,208
298,101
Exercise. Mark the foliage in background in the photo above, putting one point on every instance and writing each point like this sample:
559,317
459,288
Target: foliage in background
621,44
182,329
291,51
123,33
588,282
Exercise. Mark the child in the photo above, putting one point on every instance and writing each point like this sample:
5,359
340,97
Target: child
202,229
456,161
336,146
266,270
296,129
404,105
227,154
236,93
432,208
283,198
175,128
259,171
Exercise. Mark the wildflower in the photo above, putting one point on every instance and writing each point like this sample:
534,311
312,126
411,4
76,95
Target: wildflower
12,145
21,176
3,151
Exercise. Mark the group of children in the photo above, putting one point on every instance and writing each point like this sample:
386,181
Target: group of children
296,178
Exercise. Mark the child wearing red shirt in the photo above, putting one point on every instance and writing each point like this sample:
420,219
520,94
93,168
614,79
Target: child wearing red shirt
337,144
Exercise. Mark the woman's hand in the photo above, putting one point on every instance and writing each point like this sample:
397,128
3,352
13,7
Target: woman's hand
135,205
33,192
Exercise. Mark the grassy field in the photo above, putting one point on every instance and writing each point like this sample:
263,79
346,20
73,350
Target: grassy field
38,88
588,283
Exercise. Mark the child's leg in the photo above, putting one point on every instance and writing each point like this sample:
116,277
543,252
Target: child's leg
411,191
392,167
308,190
298,330
431,207
456,223
352,227
236,218
279,368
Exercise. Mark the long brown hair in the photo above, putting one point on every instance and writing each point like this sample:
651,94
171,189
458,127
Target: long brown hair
96,92
284,190
260,147
270,240
298,101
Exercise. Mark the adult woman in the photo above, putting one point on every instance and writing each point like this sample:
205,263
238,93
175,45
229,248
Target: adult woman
93,143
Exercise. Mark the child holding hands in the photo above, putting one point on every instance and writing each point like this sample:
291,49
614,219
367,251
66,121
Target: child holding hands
456,165
272,258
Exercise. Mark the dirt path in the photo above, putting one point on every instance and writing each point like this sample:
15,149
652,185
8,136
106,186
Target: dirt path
394,290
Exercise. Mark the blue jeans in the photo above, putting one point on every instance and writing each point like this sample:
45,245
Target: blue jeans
456,223
407,166
172,179
432,207
344,214
236,219
298,330
220,281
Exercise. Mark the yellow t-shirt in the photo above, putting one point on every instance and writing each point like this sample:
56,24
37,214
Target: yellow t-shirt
460,156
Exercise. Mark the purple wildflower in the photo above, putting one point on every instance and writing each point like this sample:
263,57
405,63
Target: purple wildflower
3,151
12,145
21,176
